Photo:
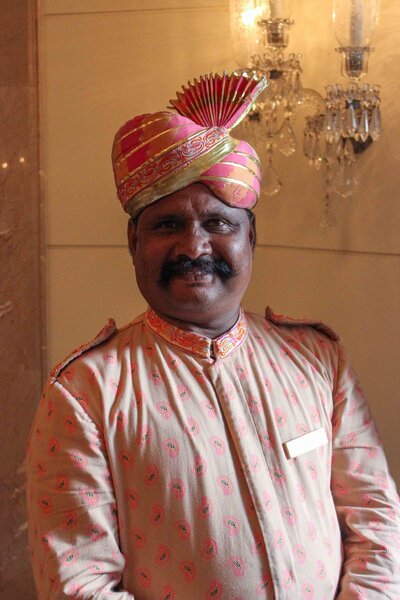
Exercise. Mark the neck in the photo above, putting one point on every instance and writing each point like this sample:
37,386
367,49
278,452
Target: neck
211,327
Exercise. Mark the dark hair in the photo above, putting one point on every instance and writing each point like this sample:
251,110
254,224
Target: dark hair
252,219
251,216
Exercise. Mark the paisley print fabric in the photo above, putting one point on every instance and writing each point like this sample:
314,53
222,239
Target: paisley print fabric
157,471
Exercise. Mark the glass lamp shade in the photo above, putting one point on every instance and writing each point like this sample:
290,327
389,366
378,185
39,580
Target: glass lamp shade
355,21
247,34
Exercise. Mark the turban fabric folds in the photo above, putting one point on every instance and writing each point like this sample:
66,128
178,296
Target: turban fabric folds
156,154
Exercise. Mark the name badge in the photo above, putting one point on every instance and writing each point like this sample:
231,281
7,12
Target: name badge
305,443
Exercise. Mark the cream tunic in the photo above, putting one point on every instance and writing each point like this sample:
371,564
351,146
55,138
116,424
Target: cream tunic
158,470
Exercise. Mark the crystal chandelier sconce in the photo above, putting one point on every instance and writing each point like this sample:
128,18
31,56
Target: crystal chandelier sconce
351,119
260,35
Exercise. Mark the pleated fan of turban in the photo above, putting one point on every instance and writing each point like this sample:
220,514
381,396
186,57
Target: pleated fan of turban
156,154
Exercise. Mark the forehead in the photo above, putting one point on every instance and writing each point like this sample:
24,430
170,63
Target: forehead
195,200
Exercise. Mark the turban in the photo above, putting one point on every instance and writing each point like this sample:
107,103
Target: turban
157,154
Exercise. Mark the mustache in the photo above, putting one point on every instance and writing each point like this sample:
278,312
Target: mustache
205,264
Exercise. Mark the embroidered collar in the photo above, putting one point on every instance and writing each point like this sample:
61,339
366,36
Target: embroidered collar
196,343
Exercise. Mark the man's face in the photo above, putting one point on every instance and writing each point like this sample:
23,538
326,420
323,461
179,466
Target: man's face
193,257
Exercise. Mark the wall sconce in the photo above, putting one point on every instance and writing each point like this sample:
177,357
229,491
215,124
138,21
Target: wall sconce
351,119
260,35
343,123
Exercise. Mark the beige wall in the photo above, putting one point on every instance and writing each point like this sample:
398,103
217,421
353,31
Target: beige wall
104,61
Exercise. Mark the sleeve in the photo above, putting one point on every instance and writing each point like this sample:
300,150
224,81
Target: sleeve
365,496
73,526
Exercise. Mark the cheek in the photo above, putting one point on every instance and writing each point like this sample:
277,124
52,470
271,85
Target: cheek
147,257
242,258
146,272
143,270
246,269
241,263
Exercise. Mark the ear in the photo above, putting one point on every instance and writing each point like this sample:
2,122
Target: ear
132,238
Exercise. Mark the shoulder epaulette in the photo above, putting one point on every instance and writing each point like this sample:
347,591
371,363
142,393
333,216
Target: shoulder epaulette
288,321
104,334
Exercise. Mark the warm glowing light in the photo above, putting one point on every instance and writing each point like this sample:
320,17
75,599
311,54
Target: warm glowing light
251,15
22,159
4,165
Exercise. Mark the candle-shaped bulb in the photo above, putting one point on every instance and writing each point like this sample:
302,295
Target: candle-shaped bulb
280,9
355,21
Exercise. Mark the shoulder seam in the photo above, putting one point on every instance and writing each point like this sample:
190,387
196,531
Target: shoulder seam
283,320
87,416
104,334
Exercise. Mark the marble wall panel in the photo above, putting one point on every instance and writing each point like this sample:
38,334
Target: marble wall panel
358,296
21,317
16,19
99,71
89,285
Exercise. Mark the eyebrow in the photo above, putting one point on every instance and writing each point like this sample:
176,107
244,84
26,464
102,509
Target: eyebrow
214,214
165,216
206,215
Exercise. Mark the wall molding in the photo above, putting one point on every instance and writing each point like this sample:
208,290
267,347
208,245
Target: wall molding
70,7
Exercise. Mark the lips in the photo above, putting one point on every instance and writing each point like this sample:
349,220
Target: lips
195,276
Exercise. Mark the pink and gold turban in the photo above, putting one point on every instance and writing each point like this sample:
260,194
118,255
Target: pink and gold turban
156,154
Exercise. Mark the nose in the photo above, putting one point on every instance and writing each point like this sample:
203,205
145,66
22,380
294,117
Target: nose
193,242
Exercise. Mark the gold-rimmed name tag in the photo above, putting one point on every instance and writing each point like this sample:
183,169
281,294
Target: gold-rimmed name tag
305,443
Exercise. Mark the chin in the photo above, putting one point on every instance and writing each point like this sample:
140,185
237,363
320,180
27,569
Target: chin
194,293
195,302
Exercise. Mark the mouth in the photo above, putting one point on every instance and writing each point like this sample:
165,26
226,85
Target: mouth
195,276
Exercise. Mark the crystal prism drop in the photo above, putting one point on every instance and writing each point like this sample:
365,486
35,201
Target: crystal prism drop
317,158
328,125
348,152
350,123
287,90
279,85
309,143
270,183
344,182
342,122
375,125
363,126
298,89
286,139
336,126
329,91
338,90
330,153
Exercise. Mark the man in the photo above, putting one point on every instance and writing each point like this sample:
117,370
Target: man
201,452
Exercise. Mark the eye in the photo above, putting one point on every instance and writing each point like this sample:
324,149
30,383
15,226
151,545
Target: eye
166,225
219,225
